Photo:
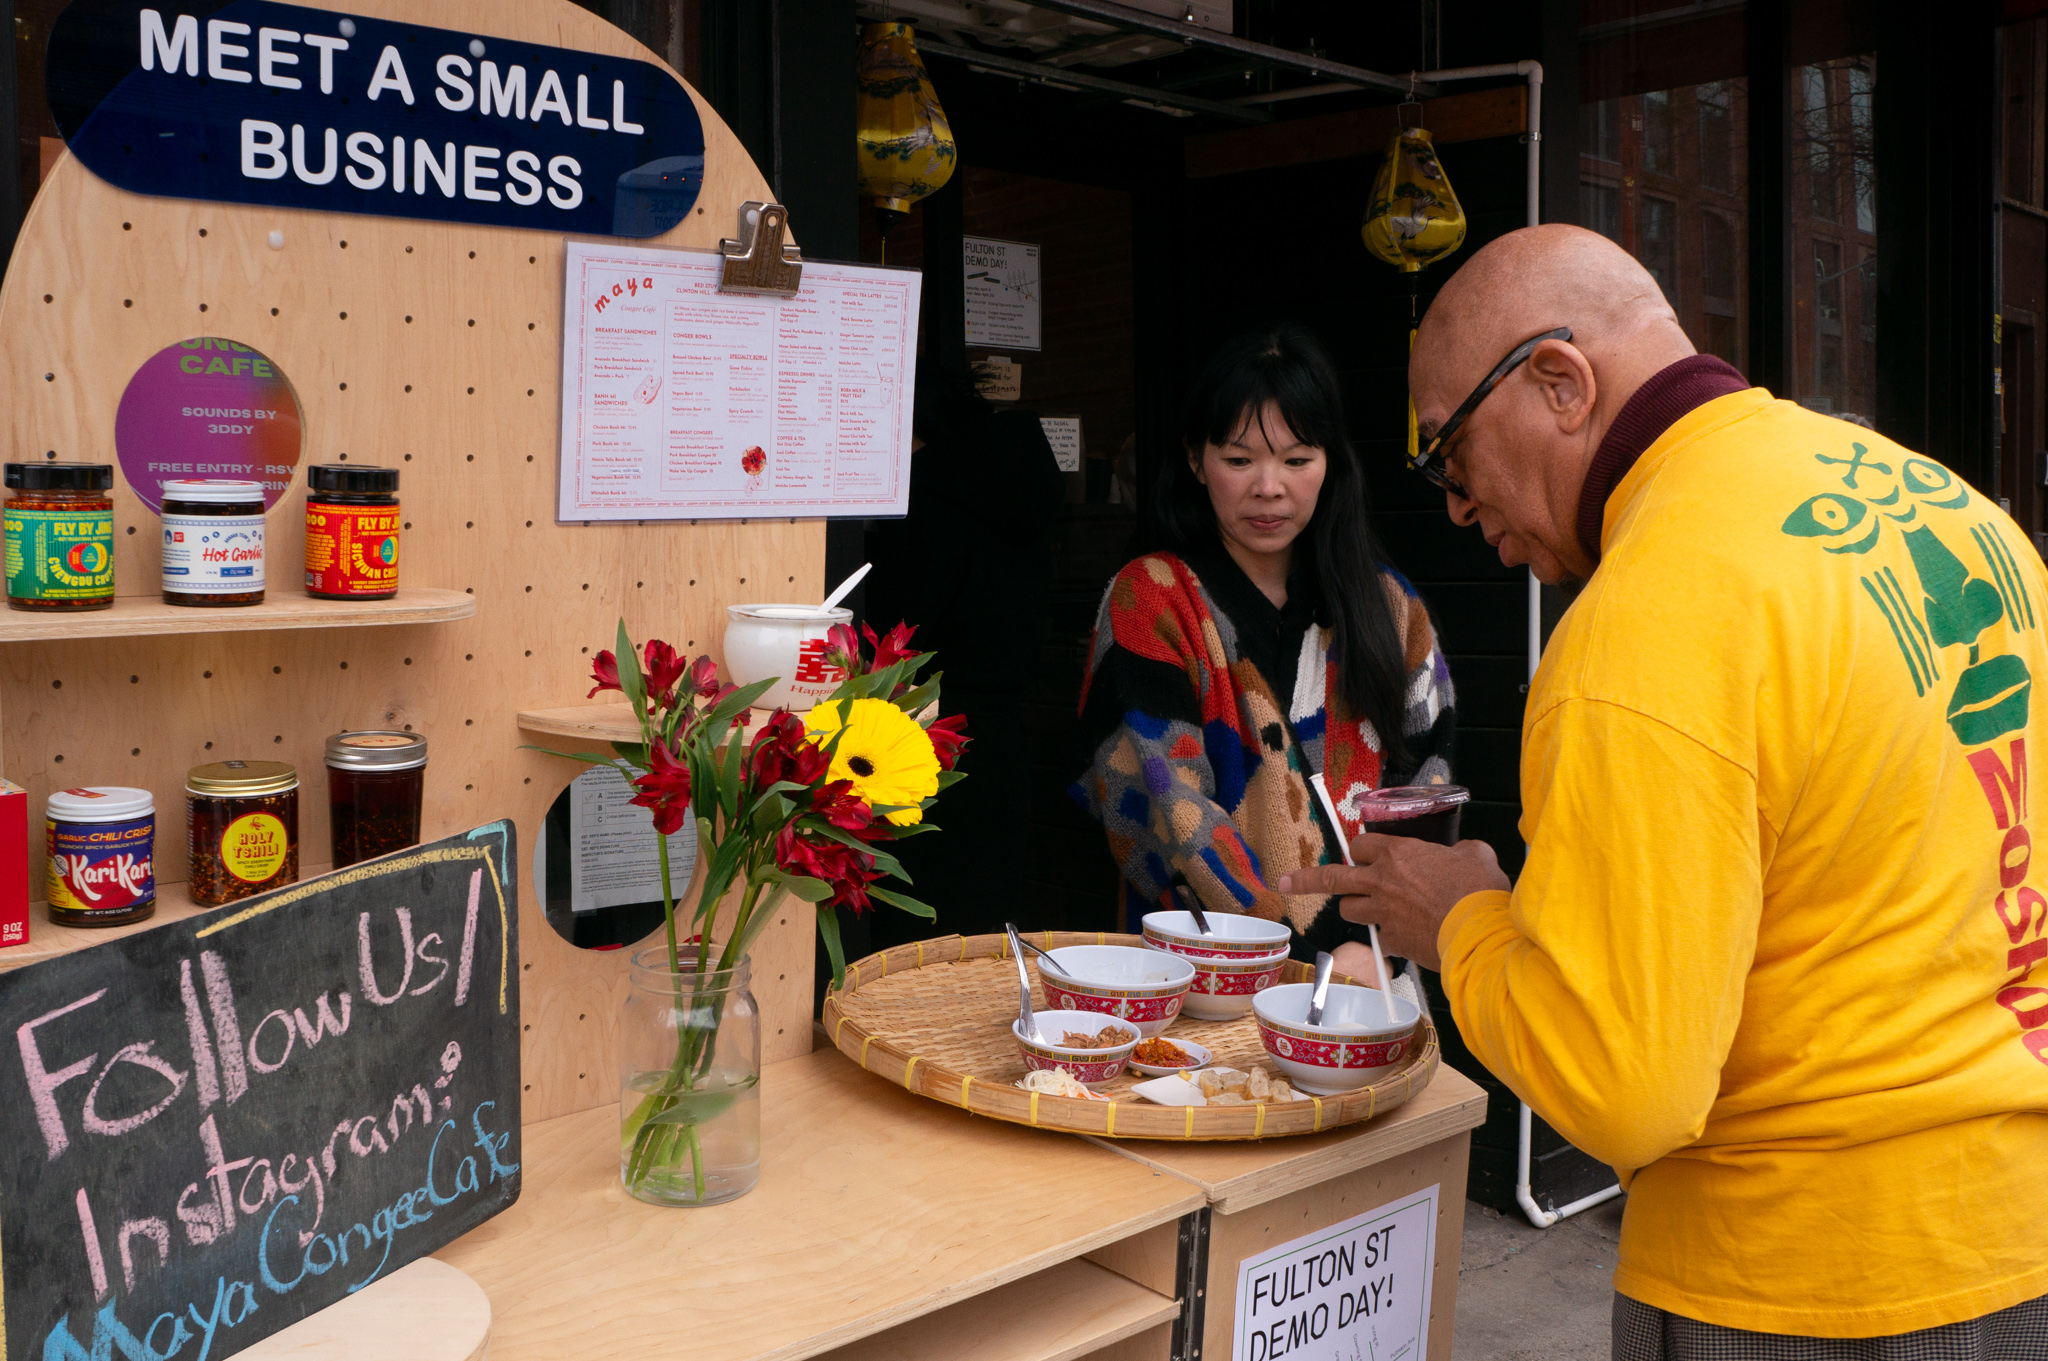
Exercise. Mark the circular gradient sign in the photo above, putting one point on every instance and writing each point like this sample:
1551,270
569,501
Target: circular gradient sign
207,408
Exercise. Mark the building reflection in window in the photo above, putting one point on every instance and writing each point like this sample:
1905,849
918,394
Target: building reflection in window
1833,210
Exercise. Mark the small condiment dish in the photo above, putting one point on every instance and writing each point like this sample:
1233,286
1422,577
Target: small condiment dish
1089,1066
1199,1053
1234,936
1352,1047
1144,987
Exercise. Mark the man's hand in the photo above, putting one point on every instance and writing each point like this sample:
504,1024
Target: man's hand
1405,885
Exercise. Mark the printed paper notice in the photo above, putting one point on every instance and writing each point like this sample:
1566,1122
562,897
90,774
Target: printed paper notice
613,858
1356,1291
1002,293
682,402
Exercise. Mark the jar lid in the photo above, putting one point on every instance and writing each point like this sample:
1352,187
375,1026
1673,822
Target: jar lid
377,750
351,477
216,489
99,803
239,778
61,476
1410,801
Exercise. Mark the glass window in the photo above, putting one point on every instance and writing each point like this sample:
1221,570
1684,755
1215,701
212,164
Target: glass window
1832,209
1659,156
1659,252
1600,130
1717,261
1600,209
1715,103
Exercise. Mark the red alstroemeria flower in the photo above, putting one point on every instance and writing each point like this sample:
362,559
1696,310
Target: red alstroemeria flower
840,806
662,667
704,679
842,649
666,790
781,752
949,738
604,669
848,871
892,647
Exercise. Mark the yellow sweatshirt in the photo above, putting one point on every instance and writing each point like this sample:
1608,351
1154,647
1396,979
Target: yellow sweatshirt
1780,950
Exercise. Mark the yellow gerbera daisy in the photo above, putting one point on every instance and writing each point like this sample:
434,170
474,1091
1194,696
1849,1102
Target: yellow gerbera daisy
882,750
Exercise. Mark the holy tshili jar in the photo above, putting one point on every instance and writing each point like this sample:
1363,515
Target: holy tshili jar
243,824
374,784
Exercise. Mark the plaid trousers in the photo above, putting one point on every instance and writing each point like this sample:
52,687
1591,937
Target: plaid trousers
1644,1333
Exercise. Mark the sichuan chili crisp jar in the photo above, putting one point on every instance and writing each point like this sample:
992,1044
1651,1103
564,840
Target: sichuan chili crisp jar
374,784
101,841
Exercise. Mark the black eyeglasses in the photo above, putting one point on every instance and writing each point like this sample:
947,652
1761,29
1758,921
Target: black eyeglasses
1428,461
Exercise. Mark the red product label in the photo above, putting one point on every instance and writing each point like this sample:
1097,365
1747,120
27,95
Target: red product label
351,550
13,864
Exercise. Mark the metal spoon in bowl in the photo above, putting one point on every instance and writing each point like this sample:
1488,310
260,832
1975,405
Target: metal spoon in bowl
1024,1016
1185,896
1045,955
1326,964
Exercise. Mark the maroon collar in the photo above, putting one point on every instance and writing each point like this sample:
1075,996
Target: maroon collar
1669,393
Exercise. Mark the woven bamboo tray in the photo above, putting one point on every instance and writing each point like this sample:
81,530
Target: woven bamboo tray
935,1016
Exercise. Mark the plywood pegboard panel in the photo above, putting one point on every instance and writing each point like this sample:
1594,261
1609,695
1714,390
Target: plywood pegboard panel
447,366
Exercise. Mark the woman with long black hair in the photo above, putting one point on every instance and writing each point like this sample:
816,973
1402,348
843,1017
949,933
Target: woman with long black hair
1264,641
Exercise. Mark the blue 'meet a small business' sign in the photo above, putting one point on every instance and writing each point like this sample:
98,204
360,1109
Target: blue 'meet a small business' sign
247,101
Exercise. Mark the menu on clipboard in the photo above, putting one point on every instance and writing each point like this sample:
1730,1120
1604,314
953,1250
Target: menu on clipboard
683,402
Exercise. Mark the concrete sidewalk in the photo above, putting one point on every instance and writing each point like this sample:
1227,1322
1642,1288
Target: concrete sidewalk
1530,1294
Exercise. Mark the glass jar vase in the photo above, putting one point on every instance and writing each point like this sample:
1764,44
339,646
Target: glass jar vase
689,1082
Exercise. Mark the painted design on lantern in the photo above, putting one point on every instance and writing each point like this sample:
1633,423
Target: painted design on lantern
1991,695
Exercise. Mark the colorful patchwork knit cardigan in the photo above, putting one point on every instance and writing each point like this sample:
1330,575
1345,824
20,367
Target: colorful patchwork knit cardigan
1198,773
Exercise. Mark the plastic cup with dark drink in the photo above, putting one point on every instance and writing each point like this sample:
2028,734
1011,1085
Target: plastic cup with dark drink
1427,812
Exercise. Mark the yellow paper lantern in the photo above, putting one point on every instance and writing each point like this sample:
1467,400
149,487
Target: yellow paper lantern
1414,217
906,145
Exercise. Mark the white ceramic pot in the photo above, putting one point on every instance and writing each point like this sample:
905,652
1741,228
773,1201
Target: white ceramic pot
1355,1044
788,643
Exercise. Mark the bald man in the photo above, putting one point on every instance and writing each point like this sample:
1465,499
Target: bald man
1779,951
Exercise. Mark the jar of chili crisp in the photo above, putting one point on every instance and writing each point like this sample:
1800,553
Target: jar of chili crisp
242,821
374,784
60,536
351,532
213,542
101,870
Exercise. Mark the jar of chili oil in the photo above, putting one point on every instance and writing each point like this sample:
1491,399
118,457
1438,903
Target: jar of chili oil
374,784
351,532
242,819
60,536
213,542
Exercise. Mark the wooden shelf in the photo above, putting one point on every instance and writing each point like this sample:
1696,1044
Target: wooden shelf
875,1208
140,615
47,940
1237,1176
1063,1312
590,722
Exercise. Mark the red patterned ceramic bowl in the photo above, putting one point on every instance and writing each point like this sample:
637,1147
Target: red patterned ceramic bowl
1223,989
1236,937
1087,1065
1354,1045
1144,987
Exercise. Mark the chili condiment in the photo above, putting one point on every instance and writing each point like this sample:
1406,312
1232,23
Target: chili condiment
242,819
60,536
100,840
351,532
213,542
374,784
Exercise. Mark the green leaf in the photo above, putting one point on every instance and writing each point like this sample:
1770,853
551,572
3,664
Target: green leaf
769,815
764,912
905,902
914,829
885,862
726,710
633,753
802,885
630,679
828,931
915,700
729,780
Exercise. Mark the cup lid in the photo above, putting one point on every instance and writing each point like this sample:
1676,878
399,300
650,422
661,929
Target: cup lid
381,749
99,803
242,778
1410,801
217,489
792,614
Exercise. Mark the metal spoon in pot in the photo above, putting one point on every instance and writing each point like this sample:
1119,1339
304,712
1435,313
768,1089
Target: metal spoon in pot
1185,896
1045,955
1326,964
1024,1015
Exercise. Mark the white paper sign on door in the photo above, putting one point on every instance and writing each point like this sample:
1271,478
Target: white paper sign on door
1063,433
1001,278
1356,1291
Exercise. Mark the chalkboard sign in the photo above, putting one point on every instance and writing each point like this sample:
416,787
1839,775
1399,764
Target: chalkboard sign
212,1129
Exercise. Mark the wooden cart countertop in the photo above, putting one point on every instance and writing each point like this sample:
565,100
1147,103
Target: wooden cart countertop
874,1207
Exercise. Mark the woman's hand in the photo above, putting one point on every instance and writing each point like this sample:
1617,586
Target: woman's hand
1405,885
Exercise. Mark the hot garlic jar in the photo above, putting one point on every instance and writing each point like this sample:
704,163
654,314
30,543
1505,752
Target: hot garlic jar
213,542
242,820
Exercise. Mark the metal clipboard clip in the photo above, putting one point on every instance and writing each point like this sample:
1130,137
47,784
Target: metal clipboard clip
760,261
